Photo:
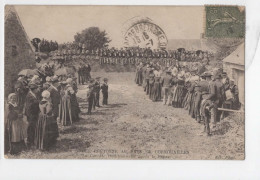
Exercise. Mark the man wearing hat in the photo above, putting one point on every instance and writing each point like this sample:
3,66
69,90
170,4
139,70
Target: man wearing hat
151,82
97,92
205,100
166,86
47,84
31,111
217,96
88,70
55,95
146,76
20,90
197,101
205,78
104,88
90,95
225,81
80,74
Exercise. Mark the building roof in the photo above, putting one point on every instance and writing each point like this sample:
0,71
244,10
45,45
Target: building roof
10,13
237,57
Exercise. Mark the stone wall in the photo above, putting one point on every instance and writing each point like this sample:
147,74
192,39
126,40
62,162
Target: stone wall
18,51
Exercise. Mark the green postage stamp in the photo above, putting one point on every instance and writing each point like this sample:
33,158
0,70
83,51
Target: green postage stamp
225,21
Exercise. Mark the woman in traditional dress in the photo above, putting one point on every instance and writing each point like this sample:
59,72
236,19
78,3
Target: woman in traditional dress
65,114
15,127
151,83
46,127
191,90
157,89
71,83
179,93
139,74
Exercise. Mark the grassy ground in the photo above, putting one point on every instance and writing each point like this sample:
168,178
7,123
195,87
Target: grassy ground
133,127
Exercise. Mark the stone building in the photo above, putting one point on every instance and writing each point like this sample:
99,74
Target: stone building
18,52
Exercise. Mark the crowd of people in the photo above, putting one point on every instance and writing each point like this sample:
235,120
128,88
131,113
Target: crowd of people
130,55
200,91
40,103
84,73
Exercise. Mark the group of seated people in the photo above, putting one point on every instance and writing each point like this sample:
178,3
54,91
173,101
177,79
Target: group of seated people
201,93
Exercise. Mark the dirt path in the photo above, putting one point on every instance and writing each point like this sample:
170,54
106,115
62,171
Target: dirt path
132,126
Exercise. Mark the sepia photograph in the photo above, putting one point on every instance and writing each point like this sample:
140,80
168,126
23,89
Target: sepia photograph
124,82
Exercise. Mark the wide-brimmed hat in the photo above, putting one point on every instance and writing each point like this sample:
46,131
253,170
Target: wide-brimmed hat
63,82
206,74
48,79
33,86
54,79
69,80
217,76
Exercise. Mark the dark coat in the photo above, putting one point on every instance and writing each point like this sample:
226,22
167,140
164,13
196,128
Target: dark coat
167,81
55,100
31,109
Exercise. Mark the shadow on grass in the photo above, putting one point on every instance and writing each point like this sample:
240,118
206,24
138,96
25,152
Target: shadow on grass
75,129
87,121
115,105
66,144
222,128
94,113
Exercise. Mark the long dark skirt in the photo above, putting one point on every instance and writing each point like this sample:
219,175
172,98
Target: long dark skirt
139,78
150,91
46,132
191,105
178,96
156,92
185,101
13,147
65,113
74,108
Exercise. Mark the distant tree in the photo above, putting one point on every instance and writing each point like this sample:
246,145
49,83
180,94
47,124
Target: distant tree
44,45
93,38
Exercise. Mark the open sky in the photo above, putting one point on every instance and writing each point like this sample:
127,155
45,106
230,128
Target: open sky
61,23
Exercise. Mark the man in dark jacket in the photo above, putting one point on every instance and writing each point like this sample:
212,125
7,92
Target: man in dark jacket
216,95
97,92
31,111
88,70
166,86
80,75
151,82
90,95
147,77
104,88
55,95
20,90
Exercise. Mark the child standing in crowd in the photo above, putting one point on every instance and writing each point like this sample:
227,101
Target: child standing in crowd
104,89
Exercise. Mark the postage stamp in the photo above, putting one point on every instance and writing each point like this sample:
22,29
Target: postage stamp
225,21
